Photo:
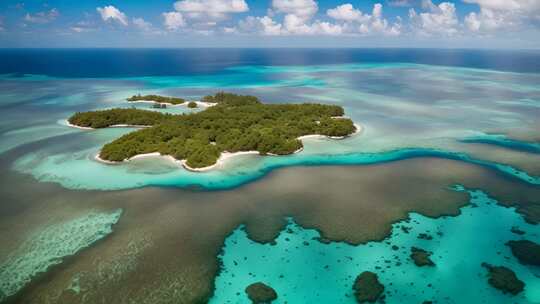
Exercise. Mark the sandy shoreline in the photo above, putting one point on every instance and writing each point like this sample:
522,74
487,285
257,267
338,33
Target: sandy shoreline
359,130
222,158
67,123
184,104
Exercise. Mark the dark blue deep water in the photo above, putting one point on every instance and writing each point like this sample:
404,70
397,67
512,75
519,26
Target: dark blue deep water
169,62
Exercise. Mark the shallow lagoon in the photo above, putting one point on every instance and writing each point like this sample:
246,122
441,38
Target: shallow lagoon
398,105
303,270
407,110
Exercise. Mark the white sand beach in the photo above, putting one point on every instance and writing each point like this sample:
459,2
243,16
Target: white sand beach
223,157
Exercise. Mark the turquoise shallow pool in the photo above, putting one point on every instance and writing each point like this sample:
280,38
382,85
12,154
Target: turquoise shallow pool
303,270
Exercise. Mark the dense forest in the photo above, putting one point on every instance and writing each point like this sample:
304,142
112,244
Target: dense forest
107,118
236,123
157,98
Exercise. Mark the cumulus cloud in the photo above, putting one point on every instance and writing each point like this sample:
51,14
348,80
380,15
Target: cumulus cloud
111,13
210,11
437,20
503,14
345,12
260,25
302,9
298,20
173,21
42,17
355,21
141,24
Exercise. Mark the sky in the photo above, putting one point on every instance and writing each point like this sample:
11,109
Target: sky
513,24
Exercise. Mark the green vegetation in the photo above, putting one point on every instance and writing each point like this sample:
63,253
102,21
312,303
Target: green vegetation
236,123
157,98
107,118
192,104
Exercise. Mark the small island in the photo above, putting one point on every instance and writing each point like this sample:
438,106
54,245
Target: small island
504,279
237,123
260,293
367,287
156,99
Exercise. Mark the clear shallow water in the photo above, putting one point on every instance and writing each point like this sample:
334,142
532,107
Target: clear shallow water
49,246
410,104
303,270
399,105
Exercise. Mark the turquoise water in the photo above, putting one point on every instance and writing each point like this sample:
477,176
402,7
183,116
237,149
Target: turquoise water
65,168
304,270
503,141
406,110
49,246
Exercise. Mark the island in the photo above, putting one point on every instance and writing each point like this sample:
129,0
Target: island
504,279
367,287
235,124
156,99
260,293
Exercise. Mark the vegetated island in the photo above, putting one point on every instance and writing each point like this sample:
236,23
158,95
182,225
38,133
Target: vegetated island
157,99
237,123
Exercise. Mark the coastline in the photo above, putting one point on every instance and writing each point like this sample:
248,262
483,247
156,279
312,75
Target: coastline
224,156
184,104
67,123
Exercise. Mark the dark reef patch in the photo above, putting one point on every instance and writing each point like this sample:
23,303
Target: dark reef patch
517,231
504,279
367,287
421,257
261,293
527,252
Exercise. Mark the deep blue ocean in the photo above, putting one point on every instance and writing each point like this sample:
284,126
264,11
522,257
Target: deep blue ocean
170,62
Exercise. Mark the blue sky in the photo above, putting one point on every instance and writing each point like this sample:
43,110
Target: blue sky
271,23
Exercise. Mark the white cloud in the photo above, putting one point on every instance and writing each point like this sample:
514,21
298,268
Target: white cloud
260,25
210,10
110,12
503,14
506,4
302,9
141,24
345,12
173,21
298,15
42,17
439,20
356,22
